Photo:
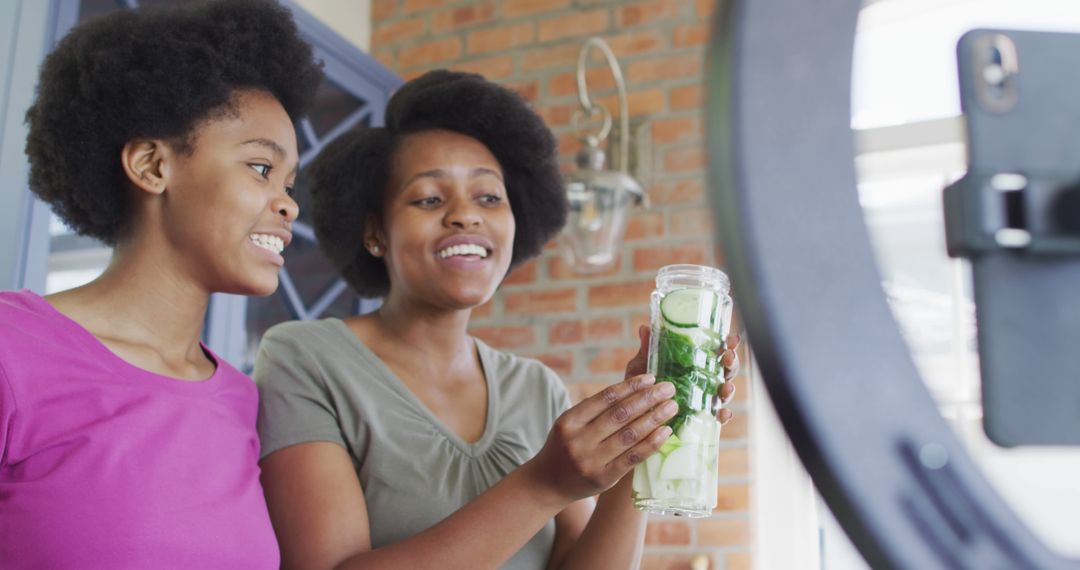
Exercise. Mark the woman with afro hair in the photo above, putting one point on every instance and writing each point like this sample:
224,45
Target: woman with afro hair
396,440
124,441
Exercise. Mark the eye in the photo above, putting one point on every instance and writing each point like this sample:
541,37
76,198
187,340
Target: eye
428,202
262,169
491,198
290,191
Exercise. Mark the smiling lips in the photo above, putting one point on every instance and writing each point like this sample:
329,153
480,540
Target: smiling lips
468,249
268,242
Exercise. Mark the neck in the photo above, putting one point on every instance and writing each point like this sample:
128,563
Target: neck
438,333
142,298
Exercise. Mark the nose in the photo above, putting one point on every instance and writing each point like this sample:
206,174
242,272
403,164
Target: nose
286,207
463,215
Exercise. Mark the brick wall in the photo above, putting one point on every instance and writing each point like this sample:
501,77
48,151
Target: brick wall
584,326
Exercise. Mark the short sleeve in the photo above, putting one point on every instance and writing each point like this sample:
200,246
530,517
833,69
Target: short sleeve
558,397
295,405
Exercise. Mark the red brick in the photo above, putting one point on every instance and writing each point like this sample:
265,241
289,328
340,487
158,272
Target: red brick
667,561
397,32
569,145
685,159
605,328
691,36
681,192
695,222
574,25
678,129
644,226
516,8
498,67
382,10
738,561
631,294
704,8
412,6
724,532
429,53
484,311
687,97
522,274
505,337
550,301
734,462
664,68
637,321
647,102
667,533
558,268
501,38
611,360
737,427
648,12
556,116
561,362
596,79
581,390
652,258
732,497
566,332
542,58
530,90
386,57
632,43
463,17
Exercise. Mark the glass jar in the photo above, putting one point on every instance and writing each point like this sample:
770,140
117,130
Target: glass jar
690,318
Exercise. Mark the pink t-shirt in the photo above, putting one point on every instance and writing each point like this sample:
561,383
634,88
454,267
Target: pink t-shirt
106,465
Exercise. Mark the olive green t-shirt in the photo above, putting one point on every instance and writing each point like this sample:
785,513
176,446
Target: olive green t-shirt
318,382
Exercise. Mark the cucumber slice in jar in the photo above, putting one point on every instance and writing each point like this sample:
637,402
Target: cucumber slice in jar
687,308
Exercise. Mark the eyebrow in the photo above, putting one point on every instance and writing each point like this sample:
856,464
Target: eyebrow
439,173
274,147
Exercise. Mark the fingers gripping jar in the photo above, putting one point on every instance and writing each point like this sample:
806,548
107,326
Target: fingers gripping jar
690,318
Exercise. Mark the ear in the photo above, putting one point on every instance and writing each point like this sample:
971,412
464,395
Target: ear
374,241
144,165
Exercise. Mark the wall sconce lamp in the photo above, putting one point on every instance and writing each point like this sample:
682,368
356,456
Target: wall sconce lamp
599,198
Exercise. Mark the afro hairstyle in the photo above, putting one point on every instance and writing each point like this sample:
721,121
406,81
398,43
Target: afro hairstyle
350,177
151,73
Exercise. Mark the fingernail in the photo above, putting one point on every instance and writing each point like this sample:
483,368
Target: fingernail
648,379
666,389
665,432
669,408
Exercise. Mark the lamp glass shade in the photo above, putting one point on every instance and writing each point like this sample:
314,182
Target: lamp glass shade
599,201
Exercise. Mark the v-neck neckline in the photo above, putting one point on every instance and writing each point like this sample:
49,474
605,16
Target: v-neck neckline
473,449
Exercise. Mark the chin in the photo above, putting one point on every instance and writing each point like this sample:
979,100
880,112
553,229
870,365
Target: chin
471,299
253,287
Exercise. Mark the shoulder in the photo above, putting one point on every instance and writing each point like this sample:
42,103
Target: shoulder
305,351
299,338
22,306
31,326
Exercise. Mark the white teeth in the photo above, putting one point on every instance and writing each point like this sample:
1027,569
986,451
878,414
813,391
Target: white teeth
463,249
268,242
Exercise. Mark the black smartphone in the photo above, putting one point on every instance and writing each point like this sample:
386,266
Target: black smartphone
1015,215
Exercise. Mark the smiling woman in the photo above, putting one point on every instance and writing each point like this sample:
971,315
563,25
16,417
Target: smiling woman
123,440
392,439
